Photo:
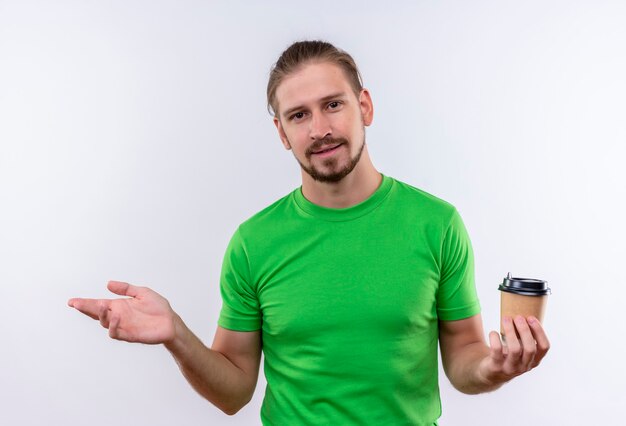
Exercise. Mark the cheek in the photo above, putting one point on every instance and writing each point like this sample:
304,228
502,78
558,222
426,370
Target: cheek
294,143
299,138
351,123
355,132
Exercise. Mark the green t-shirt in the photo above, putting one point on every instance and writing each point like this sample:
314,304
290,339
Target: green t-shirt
348,301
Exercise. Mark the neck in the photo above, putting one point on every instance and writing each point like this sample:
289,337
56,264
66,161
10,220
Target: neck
355,188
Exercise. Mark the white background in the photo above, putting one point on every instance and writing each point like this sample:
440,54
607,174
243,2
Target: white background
134,139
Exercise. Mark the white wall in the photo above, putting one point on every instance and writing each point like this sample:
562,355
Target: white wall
134,139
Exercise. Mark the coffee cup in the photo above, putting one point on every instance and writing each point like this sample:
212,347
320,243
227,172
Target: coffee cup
523,296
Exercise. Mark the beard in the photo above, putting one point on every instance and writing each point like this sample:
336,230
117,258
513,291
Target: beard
334,174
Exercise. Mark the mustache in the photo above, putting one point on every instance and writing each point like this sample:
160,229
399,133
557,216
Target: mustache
321,143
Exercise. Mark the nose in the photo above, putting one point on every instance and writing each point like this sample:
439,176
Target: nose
319,126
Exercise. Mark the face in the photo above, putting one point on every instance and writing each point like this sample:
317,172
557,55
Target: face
322,121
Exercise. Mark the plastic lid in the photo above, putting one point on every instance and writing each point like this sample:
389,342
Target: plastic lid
525,286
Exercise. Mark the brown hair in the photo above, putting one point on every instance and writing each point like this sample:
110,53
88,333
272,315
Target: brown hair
301,53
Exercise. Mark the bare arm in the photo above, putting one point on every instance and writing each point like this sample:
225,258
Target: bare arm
473,367
226,375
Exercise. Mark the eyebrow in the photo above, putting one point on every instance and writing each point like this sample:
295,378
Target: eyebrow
288,112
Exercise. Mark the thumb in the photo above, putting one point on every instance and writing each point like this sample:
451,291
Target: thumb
123,289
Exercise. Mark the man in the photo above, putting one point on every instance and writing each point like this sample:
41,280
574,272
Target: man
347,284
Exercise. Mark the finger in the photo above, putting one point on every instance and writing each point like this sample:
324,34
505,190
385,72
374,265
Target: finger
88,307
103,312
543,344
529,347
512,343
114,327
495,345
123,289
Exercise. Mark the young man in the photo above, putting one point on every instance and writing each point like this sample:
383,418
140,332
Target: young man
347,284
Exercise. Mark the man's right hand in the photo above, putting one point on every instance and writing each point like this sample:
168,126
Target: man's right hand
225,375
144,316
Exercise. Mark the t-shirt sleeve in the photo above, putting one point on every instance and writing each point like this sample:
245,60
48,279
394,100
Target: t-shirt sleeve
456,298
240,305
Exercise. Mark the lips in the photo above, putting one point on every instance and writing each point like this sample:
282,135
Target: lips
326,148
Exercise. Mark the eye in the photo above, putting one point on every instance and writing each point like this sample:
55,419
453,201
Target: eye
334,105
297,116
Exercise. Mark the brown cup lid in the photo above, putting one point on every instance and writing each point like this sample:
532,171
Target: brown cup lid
525,286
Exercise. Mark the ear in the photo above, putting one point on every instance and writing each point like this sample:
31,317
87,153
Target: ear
367,107
281,133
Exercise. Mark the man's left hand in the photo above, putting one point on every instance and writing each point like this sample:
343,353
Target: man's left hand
525,346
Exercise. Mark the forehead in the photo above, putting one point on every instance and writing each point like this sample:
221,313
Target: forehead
311,83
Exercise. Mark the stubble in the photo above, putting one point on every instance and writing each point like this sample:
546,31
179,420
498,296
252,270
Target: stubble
332,175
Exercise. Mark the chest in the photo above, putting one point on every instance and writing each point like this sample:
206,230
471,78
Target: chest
340,281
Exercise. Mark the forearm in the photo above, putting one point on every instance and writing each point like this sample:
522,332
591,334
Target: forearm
209,372
464,372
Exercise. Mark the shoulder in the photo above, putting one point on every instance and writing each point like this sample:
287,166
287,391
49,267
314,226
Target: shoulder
266,220
422,202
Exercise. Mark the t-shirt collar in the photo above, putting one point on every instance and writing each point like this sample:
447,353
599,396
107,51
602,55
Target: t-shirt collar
348,213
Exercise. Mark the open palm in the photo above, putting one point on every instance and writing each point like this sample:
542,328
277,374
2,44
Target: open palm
144,316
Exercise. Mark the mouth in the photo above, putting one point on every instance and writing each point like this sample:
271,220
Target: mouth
327,150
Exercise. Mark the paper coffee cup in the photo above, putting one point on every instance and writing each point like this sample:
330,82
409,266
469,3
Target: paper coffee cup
523,296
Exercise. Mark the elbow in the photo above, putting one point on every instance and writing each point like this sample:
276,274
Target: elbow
231,411
233,407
